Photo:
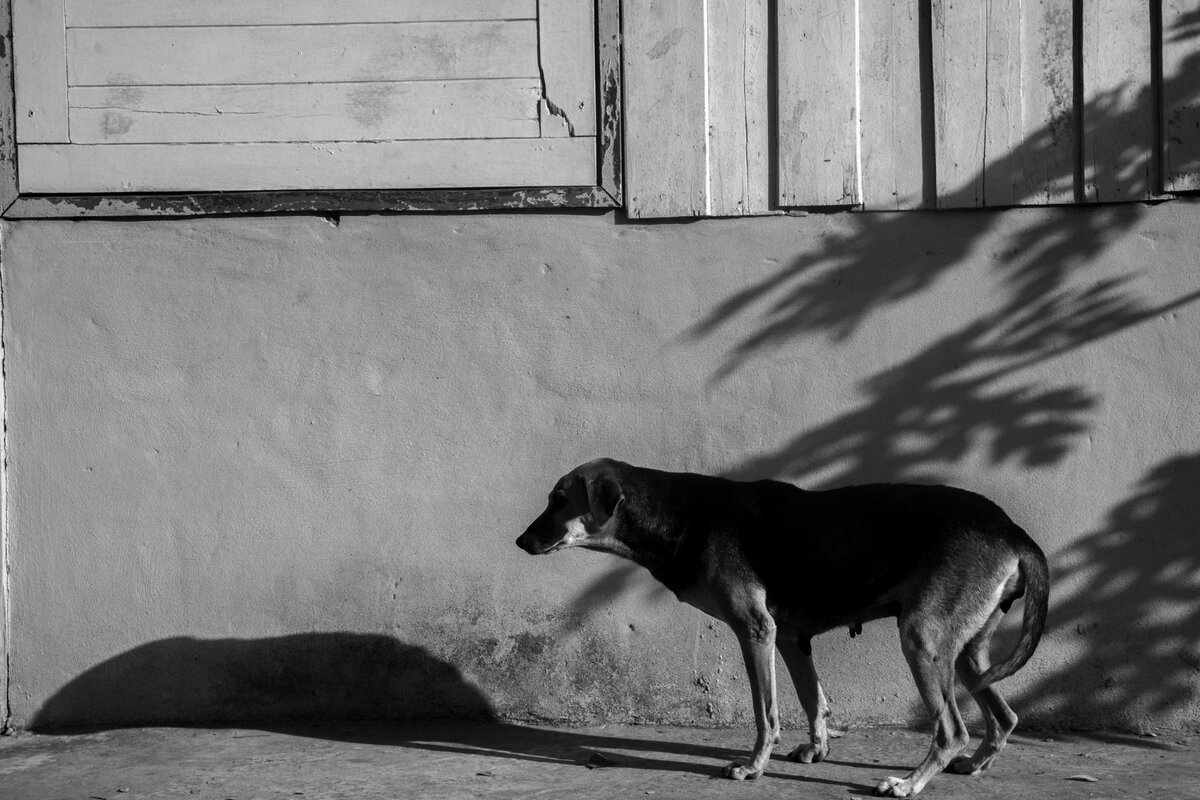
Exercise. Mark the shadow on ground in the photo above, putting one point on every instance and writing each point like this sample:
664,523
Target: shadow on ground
311,676
376,690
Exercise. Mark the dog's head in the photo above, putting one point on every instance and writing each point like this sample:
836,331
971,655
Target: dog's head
583,512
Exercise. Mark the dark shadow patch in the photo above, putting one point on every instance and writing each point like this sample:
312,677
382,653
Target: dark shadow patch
311,676
1133,587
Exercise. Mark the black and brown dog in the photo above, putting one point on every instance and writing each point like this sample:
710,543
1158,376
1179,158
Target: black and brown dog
779,565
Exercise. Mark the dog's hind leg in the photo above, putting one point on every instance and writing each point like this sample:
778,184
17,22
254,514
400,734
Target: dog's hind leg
755,631
797,655
931,653
998,719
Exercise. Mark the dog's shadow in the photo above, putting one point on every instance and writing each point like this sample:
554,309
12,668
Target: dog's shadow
579,747
385,689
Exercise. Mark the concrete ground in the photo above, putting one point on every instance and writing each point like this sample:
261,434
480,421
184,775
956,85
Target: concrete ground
458,759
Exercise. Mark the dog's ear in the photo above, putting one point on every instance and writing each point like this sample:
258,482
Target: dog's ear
604,495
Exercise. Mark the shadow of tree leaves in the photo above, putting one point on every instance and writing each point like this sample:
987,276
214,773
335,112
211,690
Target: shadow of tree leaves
1128,597
972,392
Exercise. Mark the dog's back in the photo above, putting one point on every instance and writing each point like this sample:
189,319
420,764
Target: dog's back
855,553
857,547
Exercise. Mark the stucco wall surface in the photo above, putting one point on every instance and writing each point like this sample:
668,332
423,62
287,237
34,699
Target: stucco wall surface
274,467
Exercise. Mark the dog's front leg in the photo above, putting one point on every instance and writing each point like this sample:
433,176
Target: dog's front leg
797,654
756,635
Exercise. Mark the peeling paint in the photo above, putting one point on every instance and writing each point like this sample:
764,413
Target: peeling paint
372,103
666,44
224,203
114,124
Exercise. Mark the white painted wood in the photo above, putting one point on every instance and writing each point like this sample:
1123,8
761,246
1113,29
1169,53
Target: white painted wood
1119,101
310,112
665,124
302,53
1003,81
1181,95
818,126
739,135
567,46
1051,125
960,101
40,71
109,14
552,123
106,168
8,170
893,172
1031,127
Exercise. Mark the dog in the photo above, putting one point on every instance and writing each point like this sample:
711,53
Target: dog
780,565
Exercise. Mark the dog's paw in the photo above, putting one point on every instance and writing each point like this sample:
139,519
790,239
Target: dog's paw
964,765
894,787
809,753
740,771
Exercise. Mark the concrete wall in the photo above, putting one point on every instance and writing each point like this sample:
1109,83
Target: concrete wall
273,467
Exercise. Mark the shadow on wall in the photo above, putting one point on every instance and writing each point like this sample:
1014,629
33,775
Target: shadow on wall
970,394
1136,605
312,676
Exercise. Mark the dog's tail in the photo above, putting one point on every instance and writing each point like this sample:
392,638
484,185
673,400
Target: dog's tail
1036,574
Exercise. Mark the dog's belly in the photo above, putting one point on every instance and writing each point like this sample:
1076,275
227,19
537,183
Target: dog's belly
811,621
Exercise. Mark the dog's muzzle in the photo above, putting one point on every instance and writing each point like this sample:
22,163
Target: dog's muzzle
528,543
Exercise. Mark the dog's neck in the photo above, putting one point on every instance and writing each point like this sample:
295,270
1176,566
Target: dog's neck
650,542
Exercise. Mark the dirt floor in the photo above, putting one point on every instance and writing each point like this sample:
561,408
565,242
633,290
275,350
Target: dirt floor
457,759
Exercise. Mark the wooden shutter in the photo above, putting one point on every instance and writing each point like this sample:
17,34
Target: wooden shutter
1181,95
901,104
232,95
1003,92
697,134
1119,103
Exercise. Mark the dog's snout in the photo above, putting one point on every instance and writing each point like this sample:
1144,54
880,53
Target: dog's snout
526,542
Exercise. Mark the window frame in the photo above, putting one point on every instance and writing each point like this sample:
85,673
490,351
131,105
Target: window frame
606,193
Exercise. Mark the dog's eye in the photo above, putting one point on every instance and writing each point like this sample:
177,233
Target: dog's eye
558,497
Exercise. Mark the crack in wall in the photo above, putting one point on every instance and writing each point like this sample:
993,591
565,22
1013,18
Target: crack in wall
552,108
556,111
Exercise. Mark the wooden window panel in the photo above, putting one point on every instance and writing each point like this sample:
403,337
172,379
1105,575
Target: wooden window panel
1004,103
408,100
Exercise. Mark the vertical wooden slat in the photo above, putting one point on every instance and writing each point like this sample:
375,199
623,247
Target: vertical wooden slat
818,136
39,56
1119,103
1003,82
665,137
738,128
566,41
8,193
1181,95
1044,165
610,106
960,101
893,172
1031,142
